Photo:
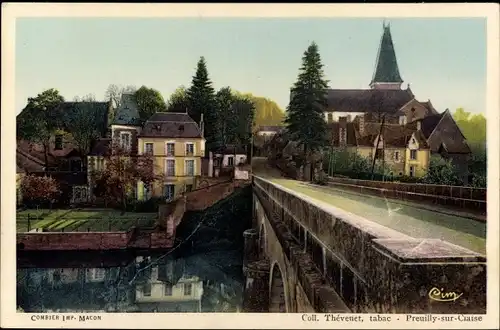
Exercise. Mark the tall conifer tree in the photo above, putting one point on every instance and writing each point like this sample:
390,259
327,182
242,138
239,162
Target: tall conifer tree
201,99
305,121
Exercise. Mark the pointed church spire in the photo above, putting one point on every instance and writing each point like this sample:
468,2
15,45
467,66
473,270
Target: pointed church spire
386,73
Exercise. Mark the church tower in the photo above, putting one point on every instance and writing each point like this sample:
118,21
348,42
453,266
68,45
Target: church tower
386,74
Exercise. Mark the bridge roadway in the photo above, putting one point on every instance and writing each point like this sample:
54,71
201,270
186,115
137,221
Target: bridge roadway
408,218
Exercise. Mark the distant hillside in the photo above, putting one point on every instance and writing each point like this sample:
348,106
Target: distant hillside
267,112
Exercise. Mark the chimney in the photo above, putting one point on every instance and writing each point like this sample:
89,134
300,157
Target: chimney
202,126
342,131
361,124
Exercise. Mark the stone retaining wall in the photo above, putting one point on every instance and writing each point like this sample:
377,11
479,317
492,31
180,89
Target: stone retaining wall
469,193
430,194
374,268
73,241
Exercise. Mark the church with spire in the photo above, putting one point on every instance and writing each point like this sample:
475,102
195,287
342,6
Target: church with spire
388,122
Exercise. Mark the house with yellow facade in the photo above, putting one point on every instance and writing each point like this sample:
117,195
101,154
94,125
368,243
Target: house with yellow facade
176,143
401,150
412,129
174,140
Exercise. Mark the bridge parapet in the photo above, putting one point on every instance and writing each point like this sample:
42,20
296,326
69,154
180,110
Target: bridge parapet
372,268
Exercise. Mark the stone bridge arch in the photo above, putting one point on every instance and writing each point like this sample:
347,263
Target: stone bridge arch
277,291
278,283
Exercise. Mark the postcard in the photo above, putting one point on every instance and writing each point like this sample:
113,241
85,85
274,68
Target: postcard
250,166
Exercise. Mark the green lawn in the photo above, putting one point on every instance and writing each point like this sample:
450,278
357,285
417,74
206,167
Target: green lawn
81,220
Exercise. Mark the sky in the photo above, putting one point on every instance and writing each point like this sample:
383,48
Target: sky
443,59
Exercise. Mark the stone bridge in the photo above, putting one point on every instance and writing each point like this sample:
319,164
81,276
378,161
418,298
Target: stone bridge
303,255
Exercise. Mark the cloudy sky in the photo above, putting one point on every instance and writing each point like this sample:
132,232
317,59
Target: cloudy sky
444,60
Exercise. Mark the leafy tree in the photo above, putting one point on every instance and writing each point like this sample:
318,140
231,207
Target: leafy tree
479,180
267,112
83,123
40,119
201,97
178,101
441,171
86,98
244,110
304,118
39,189
227,120
114,95
121,175
352,164
149,101
474,129
235,114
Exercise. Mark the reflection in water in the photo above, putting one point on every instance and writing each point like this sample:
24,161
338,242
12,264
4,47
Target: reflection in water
149,283
204,274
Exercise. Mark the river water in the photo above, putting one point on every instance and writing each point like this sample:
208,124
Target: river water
203,273
159,282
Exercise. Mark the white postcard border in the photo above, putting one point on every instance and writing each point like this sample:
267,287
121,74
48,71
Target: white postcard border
11,11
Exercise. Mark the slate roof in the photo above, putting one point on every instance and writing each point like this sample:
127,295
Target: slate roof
31,159
421,139
429,106
394,139
101,147
368,100
429,123
128,111
386,68
402,140
371,128
28,164
171,125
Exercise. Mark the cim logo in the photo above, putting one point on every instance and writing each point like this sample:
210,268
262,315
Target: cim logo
440,295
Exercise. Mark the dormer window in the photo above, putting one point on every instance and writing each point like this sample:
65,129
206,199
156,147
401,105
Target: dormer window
402,120
181,127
